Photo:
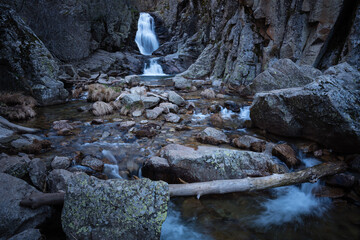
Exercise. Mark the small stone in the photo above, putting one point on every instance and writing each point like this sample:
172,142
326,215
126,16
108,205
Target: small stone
60,163
150,102
176,98
286,154
208,93
97,121
154,113
57,180
93,163
144,121
212,136
171,117
137,113
220,96
20,143
169,107
65,132
117,120
127,125
233,106
182,83
37,173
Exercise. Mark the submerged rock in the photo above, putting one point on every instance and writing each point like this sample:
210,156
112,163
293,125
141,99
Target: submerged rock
114,209
14,218
213,163
172,117
212,136
326,111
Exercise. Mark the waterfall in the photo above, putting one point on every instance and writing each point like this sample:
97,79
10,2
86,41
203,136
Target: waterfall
153,68
147,43
145,36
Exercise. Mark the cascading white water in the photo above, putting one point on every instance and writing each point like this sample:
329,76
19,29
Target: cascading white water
147,43
145,36
153,68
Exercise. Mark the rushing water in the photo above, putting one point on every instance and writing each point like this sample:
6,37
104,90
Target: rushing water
145,36
153,68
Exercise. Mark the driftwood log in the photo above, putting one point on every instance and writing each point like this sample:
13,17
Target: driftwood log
311,174
16,127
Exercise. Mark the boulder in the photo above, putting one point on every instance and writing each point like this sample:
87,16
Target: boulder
14,218
114,209
141,91
172,117
150,102
212,136
284,74
37,173
93,163
15,166
20,143
154,113
213,163
57,180
208,93
157,168
5,134
286,154
326,111
169,107
27,65
29,234
249,143
60,162
127,125
132,80
176,99
131,100
182,83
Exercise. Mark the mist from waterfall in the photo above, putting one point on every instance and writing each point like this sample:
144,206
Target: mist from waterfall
146,39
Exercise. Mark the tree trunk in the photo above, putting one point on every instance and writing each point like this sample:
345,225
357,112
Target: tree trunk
218,186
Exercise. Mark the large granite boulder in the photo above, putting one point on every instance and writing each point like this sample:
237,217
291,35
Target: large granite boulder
326,111
26,64
213,163
284,74
114,209
14,218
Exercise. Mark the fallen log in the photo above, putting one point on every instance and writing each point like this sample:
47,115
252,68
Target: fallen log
311,174
16,127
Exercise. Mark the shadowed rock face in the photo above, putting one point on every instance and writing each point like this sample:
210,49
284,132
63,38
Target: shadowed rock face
25,63
326,111
114,209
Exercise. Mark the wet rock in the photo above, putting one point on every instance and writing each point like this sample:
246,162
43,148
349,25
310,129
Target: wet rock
97,121
355,163
15,166
343,180
286,154
249,143
213,163
176,99
190,106
114,209
148,130
332,120
150,102
34,63
169,107
212,136
127,125
284,74
29,234
330,192
141,91
171,117
137,113
102,108
62,124
14,218
93,163
58,179
37,173
132,80
154,113
182,83
60,162
182,128
65,132
208,93
233,106
217,121
131,100
5,135
20,143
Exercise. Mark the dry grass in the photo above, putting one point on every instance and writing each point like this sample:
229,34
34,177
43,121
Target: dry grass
102,108
13,99
98,92
16,106
116,105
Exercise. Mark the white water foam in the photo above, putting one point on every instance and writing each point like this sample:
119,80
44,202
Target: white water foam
112,171
292,203
175,228
145,36
153,68
245,113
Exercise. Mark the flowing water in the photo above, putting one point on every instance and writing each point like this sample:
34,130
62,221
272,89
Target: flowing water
153,68
145,38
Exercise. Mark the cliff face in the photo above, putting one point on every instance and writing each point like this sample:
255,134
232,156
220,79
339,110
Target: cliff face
73,29
235,40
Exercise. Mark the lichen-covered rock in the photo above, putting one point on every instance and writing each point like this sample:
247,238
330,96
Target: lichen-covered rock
93,163
14,165
14,218
114,209
57,180
326,111
213,163
26,63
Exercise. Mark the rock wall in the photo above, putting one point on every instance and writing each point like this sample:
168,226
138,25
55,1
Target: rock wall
73,29
25,63
236,40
